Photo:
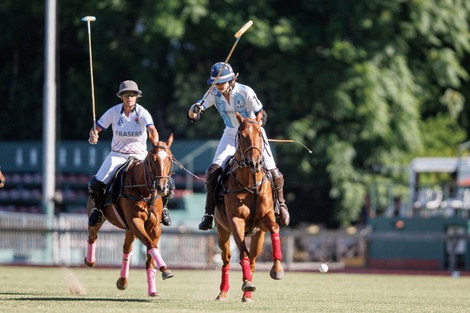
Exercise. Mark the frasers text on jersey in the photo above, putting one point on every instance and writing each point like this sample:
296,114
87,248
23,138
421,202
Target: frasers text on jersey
128,134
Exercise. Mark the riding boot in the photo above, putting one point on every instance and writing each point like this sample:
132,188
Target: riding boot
212,174
278,180
96,192
166,219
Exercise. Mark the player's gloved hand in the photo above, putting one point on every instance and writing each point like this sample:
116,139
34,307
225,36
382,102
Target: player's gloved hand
93,137
196,108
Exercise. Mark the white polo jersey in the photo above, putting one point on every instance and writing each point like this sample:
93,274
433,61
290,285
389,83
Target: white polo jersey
129,133
243,100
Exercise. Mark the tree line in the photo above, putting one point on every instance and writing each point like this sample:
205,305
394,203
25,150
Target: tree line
367,85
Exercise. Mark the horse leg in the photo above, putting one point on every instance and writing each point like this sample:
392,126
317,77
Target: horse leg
151,271
238,225
277,272
122,282
149,235
256,245
90,258
224,245
155,253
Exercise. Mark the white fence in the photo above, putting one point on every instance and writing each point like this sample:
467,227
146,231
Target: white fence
33,239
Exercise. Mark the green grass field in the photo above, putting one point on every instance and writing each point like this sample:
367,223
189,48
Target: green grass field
53,290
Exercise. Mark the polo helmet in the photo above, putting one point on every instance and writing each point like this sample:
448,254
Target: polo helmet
226,75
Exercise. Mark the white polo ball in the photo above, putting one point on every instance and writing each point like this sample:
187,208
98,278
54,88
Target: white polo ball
323,268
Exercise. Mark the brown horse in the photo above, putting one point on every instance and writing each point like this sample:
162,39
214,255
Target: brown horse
2,179
138,210
249,209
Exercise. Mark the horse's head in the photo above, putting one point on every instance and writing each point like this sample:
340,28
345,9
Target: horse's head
160,162
250,142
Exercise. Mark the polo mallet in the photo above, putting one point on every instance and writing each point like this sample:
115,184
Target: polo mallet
290,140
238,35
89,19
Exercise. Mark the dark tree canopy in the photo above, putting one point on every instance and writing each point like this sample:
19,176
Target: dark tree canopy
366,84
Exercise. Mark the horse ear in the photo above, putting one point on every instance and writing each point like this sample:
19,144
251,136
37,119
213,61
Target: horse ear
239,117
170,140
259,116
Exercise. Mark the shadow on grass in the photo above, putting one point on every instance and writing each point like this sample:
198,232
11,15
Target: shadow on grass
68,299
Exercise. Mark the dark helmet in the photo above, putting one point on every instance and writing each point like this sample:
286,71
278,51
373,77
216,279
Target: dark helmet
226,75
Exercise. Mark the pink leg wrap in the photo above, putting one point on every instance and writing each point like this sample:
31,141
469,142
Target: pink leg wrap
245,263
224,284
90,254
125,265
152,288
155,253
276,242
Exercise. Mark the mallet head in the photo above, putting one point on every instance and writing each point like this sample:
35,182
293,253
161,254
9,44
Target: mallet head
88,19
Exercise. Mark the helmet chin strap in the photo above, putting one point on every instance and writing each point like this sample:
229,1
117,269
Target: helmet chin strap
231,85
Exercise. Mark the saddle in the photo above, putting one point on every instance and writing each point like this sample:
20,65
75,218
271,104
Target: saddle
114,189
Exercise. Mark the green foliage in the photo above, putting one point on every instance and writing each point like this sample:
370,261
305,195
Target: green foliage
366,85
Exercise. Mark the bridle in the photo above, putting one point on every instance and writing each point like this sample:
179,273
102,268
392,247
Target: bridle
151,179
149,169
244,161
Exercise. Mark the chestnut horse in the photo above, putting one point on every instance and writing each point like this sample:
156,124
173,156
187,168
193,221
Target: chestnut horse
138,210
2,179
249,209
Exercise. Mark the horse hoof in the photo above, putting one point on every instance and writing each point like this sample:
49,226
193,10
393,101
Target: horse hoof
248,286
276,275
121,286
89,264
221,299
167,274
154,294
247,300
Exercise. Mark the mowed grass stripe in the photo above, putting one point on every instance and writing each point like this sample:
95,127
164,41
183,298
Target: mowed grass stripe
54,290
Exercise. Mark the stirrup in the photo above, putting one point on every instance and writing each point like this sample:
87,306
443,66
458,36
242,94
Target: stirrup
166,219
206,222
96,217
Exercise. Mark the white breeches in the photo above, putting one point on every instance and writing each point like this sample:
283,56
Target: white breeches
111,164
227,148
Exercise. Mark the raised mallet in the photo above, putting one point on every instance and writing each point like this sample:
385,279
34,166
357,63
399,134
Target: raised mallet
238,35
89,19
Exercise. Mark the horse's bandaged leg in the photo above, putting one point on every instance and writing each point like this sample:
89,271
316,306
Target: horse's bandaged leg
224,283
125,265
90,254
245,263
155,253
152,288
276,243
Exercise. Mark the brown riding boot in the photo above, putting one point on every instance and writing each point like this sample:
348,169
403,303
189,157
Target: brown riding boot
278,179
96,192
166,219
212,174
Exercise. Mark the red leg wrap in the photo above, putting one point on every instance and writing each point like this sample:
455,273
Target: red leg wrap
224,283
276,242
245,263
